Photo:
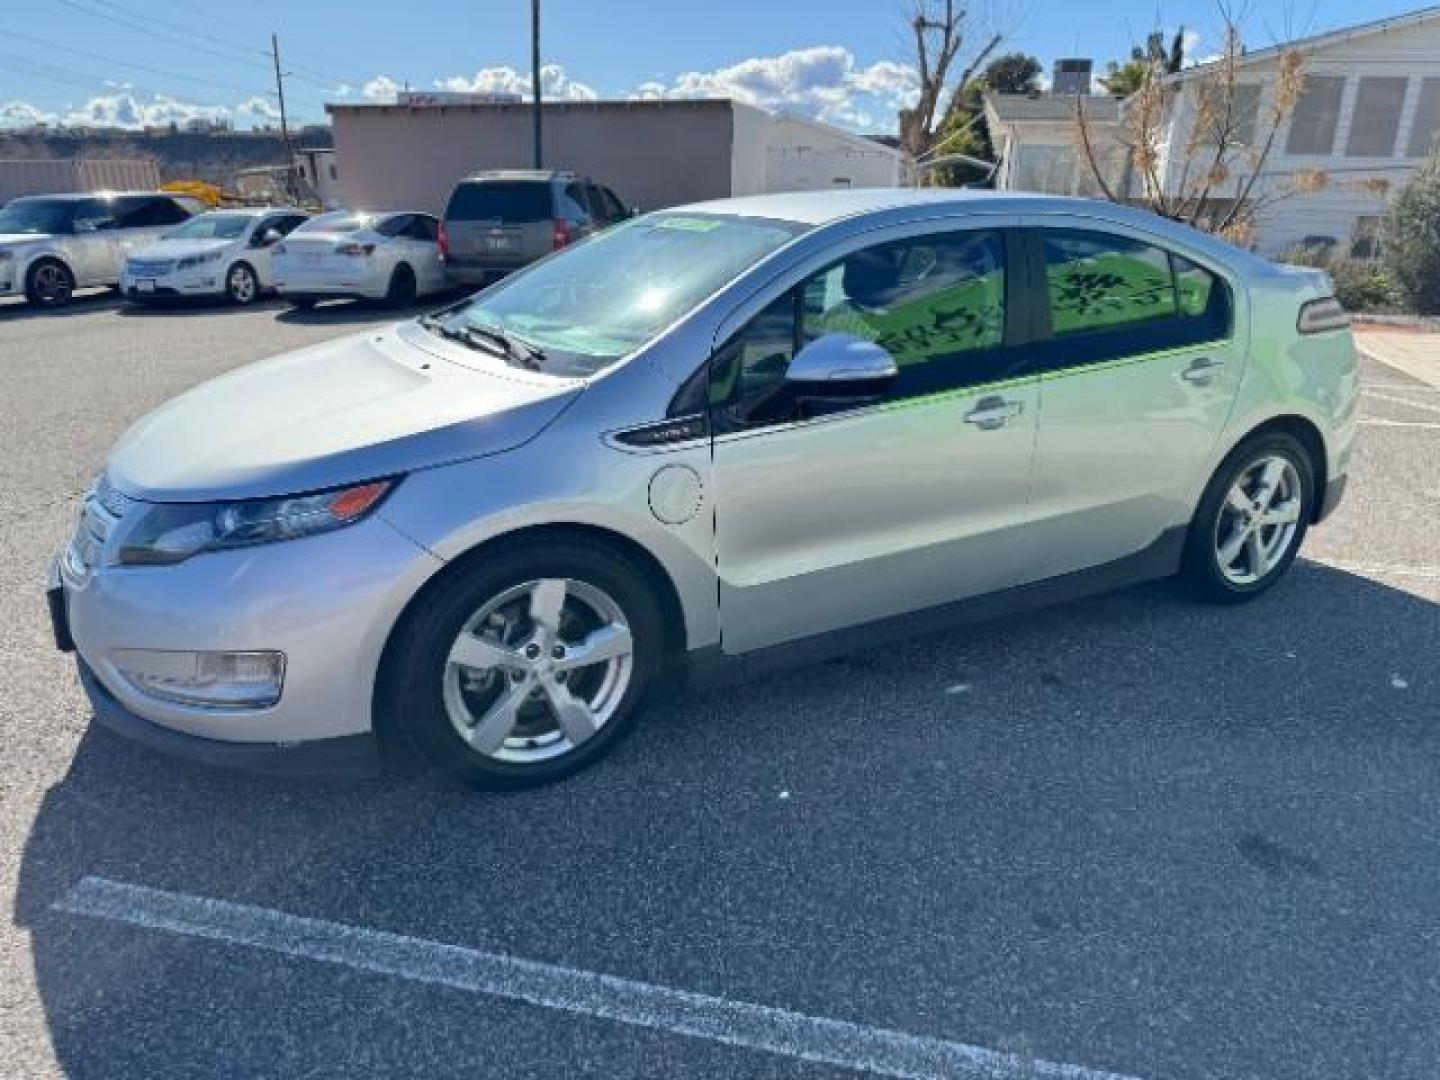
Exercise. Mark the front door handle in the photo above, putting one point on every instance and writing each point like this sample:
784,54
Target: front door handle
1202,372
993,412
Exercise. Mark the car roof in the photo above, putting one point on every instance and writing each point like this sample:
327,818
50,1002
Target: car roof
537,175
821,208
76,196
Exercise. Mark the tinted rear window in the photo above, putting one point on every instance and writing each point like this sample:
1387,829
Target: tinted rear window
498,200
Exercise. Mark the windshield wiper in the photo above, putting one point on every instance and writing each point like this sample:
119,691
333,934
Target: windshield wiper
489,339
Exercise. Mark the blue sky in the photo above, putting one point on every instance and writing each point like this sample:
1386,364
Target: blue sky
846,61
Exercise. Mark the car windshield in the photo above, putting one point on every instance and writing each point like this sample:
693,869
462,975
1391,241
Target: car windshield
582,310
38,216
341,221
212,227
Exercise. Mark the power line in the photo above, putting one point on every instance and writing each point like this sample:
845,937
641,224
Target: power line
123,21
86,54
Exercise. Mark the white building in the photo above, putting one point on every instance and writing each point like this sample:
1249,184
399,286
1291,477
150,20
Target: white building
1367,117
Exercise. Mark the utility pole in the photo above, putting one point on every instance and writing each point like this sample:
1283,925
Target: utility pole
284,124
535,78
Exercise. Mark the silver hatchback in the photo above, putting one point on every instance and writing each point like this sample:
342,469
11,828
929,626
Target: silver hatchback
51,245
703,441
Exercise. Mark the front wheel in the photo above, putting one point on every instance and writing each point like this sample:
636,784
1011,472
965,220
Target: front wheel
527,665
241,285
1251,520
49,284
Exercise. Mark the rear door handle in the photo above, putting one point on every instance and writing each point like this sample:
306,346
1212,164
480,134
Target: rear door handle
993,412
1202,372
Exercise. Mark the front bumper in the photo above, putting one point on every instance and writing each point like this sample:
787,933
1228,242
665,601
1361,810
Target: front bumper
205,281
350,755
326,602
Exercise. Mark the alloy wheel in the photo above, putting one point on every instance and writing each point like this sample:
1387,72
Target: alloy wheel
241,284
51,283
1259,520
538,670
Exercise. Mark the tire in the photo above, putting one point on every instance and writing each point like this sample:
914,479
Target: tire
49,283
402,290
1251,520
496,723
242,286
302,303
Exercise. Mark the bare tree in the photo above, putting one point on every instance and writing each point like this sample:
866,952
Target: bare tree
1209,176
939,28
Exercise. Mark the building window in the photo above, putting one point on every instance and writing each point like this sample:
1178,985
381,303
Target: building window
1376,119
1425,131
1312,124
1365,240
1231,122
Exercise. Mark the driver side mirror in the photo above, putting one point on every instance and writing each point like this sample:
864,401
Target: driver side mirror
841,365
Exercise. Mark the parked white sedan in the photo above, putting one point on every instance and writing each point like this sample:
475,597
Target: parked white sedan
392,256
220,253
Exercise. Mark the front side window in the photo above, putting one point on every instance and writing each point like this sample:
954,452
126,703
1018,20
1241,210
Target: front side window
936,304
1110,297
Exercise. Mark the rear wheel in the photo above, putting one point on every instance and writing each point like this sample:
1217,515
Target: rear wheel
528,665
49,284
402,290
1251,520
241,284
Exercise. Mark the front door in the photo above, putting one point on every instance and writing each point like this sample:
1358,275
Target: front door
833,514
1141,362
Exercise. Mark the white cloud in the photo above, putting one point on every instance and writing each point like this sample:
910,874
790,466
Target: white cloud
19,114
555,84
259,109
824,82
382,88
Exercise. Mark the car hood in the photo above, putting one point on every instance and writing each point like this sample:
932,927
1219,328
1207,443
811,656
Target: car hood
176,249
371,405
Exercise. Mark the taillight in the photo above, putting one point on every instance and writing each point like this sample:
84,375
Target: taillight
1318,316
353,248
444,239
561,234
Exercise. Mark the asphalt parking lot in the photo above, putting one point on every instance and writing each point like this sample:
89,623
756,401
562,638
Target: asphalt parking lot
1129,836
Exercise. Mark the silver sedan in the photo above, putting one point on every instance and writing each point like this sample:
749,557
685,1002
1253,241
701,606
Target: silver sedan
704,441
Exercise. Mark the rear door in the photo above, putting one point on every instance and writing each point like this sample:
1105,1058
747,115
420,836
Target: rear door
1141,357
499,224
831,516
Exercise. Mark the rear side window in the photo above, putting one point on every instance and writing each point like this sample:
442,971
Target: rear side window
148,212
424,227
1110,297
342,221
500,200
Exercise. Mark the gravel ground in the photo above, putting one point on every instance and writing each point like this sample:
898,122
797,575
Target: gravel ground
1131,833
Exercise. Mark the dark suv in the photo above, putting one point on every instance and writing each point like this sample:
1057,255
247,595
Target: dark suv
501,220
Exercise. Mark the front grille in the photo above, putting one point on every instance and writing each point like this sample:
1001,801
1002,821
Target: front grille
150,268
100,511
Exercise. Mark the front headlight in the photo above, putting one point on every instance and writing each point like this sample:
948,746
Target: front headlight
173,532
199,260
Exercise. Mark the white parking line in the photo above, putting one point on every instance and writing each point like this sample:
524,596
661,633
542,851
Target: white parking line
588,993
1381,569
1425,405
1375,421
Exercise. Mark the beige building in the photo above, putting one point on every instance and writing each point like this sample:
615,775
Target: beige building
651,153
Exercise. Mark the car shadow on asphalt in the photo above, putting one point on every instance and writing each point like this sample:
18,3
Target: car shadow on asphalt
1150,808
85,302
180,307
